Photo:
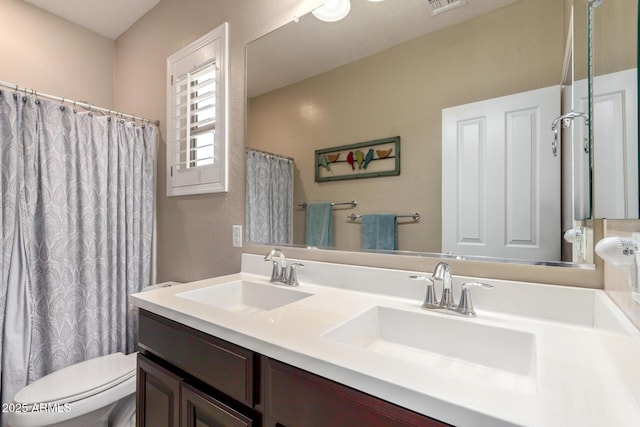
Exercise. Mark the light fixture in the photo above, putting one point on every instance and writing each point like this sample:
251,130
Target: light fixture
439,6
332,10
622,251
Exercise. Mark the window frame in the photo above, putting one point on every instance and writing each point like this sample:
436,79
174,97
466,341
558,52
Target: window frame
183,178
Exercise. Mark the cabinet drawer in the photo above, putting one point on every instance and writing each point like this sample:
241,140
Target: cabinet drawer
222,365
295,398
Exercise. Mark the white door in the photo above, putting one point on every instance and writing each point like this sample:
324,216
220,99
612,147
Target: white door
500,180
615,146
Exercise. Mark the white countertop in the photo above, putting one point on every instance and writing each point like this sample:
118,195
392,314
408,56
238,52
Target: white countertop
587,356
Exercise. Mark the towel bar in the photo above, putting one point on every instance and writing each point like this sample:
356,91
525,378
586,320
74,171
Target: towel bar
415,216
353,204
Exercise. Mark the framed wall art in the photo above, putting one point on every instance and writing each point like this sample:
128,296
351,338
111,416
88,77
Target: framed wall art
380,157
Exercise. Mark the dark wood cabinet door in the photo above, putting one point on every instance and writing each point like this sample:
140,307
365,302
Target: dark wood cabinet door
200,410
295,398
158,395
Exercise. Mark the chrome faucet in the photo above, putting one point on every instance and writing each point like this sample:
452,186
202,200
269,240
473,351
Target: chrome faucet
279,273
442,273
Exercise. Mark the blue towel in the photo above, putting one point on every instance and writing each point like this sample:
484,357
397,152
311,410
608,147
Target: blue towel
319,225
379,231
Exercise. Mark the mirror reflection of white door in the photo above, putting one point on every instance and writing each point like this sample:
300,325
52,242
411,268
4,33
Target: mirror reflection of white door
615,126
500,180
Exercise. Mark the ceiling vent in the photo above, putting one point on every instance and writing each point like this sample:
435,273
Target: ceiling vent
440,6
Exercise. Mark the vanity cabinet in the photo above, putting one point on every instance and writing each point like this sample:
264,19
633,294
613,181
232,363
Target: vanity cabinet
188,378
298,398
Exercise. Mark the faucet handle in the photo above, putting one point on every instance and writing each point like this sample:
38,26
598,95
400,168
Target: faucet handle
430,297
465,307
292,280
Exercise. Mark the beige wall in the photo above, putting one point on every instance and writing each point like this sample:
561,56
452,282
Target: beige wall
615,36
402,91
48,54
194,232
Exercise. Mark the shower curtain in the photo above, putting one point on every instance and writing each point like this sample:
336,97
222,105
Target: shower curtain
269,204
76,211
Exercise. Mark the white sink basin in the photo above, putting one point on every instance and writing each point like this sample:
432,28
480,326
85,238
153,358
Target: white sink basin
445,342
245,297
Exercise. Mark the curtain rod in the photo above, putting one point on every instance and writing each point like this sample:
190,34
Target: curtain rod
269,154
80,104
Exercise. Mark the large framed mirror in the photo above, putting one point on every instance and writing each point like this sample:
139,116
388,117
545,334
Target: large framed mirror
396,68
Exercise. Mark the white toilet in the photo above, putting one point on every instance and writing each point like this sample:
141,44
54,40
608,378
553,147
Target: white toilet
96,393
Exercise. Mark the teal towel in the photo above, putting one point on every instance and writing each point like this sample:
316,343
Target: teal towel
379,231
319,225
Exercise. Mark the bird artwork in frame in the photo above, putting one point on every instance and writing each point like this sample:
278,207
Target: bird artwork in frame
380,157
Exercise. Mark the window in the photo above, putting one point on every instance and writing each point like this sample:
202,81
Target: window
197,116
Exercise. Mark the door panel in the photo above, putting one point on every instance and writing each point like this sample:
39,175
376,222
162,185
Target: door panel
500,180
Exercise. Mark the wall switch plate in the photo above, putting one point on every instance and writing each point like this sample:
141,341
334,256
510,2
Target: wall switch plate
236,233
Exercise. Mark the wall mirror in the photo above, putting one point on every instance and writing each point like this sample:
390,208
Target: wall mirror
613,76
396,68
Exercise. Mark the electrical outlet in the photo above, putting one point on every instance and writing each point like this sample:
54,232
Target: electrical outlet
236,233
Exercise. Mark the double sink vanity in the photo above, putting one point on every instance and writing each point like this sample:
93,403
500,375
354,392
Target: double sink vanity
351,345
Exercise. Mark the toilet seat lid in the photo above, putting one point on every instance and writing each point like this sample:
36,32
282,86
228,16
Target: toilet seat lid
79,381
